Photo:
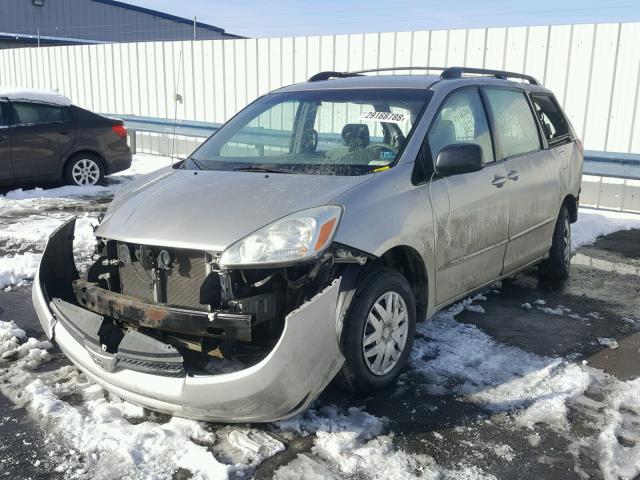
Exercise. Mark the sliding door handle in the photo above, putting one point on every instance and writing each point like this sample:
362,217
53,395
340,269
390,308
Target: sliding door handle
499,181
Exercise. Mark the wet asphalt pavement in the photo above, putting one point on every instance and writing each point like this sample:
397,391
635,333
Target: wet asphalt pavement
605,278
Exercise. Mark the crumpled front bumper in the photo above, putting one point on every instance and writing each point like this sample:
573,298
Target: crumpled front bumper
305,359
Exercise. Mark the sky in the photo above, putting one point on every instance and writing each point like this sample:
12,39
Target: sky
261,18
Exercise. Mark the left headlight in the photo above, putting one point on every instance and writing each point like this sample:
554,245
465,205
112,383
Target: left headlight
299,236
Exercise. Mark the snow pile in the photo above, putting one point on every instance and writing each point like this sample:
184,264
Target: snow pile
34,231
14,270
22,267
14,345
618,443
352,443
592,224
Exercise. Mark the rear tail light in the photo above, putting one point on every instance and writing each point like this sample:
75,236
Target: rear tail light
580,145
120,130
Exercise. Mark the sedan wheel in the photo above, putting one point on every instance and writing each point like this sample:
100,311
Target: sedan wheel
385,333
85,172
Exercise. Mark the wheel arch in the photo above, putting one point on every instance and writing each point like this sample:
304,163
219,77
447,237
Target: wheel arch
409,263
571,203
84,151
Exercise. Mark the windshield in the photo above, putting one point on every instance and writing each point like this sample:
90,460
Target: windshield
330,132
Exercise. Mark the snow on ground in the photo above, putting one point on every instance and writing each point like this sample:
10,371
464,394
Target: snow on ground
594,223
460,359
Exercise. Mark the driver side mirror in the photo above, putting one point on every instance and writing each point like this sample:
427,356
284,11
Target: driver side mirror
459,158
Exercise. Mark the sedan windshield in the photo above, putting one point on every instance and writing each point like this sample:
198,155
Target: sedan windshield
330,132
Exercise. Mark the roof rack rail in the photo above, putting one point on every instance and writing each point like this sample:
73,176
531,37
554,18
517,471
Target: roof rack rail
357,73
457,72
447,73
327,75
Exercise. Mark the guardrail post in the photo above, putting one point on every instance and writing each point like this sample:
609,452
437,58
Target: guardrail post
132,141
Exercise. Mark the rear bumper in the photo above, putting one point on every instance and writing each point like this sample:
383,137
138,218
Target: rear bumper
118,161
303,362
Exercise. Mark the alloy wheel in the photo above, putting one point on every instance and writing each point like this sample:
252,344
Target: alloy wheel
85,172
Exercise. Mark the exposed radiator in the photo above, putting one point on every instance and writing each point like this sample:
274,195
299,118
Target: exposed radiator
178,286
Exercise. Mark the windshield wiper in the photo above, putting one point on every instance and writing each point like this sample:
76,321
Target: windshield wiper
195,162
256,168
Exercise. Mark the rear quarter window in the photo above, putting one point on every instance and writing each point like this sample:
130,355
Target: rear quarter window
516,129
555,126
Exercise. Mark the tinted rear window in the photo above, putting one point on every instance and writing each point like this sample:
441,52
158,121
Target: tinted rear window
34,113
554,124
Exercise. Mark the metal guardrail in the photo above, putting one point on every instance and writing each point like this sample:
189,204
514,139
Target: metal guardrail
600,164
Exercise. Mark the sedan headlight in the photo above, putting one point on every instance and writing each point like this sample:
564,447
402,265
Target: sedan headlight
298,236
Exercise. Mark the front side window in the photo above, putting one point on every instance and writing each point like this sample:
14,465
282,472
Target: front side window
515,127
461,119
26,113
554,124
334,132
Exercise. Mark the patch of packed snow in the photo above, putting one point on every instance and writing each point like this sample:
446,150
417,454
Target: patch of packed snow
592,224
14,345
18,268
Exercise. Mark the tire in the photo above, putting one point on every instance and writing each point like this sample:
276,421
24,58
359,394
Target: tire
384,287
558,265
84,170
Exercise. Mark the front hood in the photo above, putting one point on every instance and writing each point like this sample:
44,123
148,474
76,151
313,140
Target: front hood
210,210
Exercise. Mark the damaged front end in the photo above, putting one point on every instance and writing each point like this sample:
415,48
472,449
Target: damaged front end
169,329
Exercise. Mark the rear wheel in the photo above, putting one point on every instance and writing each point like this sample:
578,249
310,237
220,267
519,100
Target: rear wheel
559,262
378,331
84,170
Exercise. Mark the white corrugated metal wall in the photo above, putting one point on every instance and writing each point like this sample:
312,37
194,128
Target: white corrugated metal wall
593,69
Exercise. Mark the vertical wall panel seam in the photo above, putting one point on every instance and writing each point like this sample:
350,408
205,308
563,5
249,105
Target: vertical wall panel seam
566,76
446,50
613,86
593,54
486,47
546,55
466,46
526,49
635,108
504,51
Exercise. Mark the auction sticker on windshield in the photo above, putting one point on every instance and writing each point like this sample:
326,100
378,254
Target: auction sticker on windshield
387,117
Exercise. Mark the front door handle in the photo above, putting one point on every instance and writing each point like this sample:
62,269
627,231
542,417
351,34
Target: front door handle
514,175
499,181
65,132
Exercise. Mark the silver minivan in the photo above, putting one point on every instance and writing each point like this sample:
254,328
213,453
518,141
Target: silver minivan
305,238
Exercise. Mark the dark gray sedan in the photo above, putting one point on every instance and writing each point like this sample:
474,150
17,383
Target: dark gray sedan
44,138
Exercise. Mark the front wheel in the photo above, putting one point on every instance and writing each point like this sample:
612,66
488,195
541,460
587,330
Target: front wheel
378,330
559,262
84,171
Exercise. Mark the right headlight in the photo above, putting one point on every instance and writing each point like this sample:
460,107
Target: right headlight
296,237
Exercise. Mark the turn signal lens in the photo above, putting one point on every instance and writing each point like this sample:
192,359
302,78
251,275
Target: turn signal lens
326,232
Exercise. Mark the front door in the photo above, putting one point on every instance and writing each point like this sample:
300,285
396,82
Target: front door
533,174
39,132
471,211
